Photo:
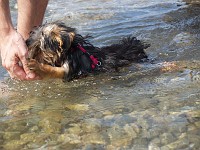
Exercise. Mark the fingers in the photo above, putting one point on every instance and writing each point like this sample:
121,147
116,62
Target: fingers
10,63
22,53
13,55
19,72
11,75
35,66
15,71
29,74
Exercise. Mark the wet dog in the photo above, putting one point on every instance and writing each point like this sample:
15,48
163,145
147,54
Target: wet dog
57,51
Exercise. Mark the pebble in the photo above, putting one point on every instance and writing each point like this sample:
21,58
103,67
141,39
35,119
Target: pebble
77,107
91,126
94,138
166,138
48,126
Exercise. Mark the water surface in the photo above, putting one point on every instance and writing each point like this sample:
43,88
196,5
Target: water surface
141,107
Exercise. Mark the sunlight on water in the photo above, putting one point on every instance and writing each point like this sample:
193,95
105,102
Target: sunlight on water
152,105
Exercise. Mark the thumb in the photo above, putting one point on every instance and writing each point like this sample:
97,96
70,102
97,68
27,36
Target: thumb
22,55
29,73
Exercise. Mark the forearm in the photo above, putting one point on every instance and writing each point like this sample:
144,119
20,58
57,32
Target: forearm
30,14
13,48
5,19
41,8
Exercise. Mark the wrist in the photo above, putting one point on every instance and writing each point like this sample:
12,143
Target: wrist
5,33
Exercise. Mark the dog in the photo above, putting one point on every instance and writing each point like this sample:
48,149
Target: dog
58,51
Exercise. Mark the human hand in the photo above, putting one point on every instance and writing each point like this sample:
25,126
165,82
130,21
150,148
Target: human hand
13,55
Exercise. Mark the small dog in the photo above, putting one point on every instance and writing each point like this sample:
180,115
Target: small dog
57,51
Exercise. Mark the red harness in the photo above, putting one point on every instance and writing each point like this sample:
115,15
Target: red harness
94,60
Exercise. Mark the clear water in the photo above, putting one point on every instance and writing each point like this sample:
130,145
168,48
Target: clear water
139,108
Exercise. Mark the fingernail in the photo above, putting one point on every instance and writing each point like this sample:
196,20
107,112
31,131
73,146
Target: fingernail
31,75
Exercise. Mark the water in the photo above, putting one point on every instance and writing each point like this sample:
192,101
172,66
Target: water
144,106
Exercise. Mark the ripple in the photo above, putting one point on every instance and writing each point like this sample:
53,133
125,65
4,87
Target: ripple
140,106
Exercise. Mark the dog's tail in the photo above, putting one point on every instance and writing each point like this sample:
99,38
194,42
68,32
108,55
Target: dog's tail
128,50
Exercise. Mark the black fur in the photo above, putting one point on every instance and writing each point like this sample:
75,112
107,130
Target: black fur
110,58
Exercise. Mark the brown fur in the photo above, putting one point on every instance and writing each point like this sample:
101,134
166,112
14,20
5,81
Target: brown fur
54,53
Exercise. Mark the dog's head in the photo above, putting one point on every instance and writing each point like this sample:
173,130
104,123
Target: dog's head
56,44
50,42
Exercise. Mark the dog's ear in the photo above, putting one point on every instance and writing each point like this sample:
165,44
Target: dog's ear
33,48
61,36
57,37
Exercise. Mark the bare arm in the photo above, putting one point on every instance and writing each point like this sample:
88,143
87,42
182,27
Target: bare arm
12,45
27,9
10,41
5,19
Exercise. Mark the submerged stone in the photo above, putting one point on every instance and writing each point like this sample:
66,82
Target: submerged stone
91,125
48,126
77,107
119,137
14,145
93,138
69,138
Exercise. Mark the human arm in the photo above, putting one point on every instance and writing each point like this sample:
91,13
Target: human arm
12,45
30,15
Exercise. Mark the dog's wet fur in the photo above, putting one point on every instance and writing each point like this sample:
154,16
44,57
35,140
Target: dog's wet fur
54,52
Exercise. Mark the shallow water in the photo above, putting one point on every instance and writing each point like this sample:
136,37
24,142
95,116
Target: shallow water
142,107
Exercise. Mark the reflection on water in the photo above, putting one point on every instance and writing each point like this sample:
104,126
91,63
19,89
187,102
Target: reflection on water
145,106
